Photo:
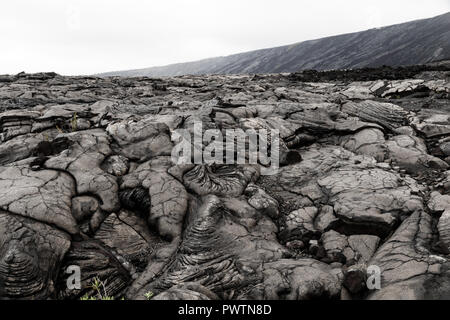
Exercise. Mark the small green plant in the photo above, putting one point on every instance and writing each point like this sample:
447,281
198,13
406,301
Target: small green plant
148,295
59,129
100,291
74,122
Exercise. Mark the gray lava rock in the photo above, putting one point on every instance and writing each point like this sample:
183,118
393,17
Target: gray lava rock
87,179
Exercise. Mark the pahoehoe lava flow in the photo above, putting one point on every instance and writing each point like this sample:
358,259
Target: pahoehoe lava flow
86,179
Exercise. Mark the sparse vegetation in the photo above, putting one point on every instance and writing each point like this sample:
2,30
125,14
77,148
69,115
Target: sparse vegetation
100,291
74,122
148,295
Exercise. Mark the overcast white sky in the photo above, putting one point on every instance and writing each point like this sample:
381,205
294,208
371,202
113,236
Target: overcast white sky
91,36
